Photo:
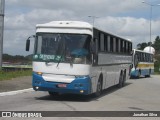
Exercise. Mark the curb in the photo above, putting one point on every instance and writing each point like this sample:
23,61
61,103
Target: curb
16,92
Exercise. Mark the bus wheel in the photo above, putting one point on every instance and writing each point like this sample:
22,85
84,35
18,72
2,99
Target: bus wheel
99,88
53,94
149,73
121,80
124,78
139,74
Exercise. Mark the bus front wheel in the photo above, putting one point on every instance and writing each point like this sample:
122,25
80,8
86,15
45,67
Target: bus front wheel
53,94
99,87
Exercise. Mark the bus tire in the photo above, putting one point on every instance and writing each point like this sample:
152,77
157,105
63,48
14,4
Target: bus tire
139,74
121,80
53,94
99,87
149,73
124,78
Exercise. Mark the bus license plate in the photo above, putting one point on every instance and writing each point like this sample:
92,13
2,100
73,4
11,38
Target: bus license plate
62,85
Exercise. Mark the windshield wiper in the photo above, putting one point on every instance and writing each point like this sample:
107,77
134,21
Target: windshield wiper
60,59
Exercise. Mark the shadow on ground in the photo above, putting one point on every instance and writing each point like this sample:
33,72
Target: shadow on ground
80,98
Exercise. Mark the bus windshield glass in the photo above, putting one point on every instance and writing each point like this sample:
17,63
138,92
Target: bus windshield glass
64,48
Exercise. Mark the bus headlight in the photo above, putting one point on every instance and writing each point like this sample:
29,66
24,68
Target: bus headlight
38,73
81,91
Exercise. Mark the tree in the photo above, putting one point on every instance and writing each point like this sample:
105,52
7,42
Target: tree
141,46
156,45
17,58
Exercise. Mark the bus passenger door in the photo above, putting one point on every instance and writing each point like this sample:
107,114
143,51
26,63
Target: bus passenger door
94,51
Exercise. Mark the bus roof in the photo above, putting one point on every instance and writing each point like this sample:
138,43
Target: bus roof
75,25
142,51
65,24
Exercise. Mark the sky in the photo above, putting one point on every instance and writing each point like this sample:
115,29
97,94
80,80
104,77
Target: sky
126,18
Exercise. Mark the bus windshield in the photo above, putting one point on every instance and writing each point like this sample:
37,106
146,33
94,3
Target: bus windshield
64,48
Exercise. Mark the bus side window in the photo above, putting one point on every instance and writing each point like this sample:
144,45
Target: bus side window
139,57
109,45
121,49
119,44
130,47
101,42
142,57
151,58
124,46
147,57
114,44
127,47
105,43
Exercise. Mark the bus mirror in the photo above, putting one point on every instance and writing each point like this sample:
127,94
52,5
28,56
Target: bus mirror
28,42
27,45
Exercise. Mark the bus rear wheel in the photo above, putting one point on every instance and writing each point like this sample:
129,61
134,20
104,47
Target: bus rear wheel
121,80
139,74
149,73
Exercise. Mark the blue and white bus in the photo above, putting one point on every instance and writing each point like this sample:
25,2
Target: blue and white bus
75,57
142,64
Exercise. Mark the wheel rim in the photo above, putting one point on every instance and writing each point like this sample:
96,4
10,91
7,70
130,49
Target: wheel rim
99,87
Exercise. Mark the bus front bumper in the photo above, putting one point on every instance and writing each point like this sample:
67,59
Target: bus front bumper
81,85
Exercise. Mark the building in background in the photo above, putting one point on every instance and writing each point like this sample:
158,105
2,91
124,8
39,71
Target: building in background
2,5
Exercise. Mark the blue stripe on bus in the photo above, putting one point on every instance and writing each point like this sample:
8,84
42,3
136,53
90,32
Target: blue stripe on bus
80,83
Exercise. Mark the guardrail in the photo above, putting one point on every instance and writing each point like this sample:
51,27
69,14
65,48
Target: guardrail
16,67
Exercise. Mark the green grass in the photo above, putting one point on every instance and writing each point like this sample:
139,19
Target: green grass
14,74
156,73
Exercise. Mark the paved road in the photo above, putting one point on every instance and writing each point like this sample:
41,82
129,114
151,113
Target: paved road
137,95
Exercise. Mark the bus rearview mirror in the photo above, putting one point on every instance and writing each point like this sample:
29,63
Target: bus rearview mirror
27,45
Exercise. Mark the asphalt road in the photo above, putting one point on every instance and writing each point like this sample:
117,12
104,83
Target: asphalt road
138,95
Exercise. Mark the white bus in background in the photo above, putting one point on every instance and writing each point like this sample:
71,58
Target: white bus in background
142,65
75,57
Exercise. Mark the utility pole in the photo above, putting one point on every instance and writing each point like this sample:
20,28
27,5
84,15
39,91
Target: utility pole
2,6
93,18
151,5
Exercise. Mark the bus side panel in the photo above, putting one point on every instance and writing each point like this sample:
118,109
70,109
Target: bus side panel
110,66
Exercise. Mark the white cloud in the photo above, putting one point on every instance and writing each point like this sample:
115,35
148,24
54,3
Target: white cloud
118,17
136,29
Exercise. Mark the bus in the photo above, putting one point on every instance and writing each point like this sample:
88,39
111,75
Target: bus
76,58
142,64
